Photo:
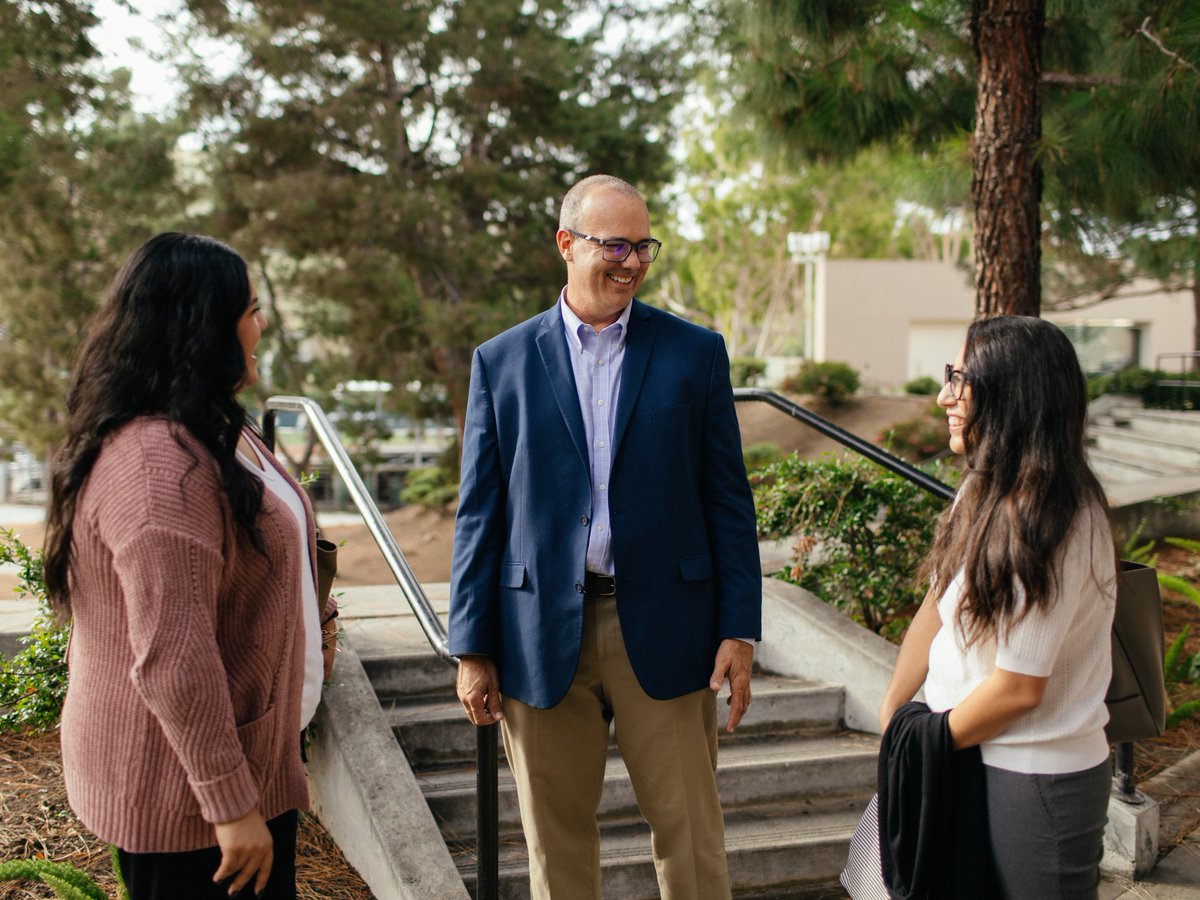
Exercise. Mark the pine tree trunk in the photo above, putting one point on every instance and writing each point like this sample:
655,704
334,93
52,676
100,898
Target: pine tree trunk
1007,182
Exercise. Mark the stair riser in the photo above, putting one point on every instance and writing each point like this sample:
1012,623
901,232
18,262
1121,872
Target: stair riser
823,784
410,675
1133,444
1187,429
766,869
1118,472
444,737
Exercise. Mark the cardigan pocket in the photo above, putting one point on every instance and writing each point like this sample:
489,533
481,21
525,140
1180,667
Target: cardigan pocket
257,738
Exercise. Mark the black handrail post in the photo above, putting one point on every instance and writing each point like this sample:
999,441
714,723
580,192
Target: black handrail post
487,815
1123,776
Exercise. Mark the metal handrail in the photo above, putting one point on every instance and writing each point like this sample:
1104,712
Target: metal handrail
487,779
1123,776
846,439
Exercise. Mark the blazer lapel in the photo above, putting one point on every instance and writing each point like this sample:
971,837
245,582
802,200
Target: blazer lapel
552,346
638,344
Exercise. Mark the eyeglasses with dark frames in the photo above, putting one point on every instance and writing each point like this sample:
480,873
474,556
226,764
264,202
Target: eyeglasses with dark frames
618,249
957,379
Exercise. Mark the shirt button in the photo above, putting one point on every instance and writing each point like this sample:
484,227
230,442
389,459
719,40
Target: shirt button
599,402
603,487
601,444
599,362
600,528
583,520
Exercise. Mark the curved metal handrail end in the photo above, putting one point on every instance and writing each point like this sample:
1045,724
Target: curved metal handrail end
418,602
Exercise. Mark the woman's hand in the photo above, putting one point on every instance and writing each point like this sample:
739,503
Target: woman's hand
246,852
329,648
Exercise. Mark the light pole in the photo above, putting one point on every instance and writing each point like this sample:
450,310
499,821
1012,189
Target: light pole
809,248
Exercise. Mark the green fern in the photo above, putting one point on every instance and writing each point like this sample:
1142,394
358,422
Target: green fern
1172,664
68,882
1183,711
1180,586
1184,543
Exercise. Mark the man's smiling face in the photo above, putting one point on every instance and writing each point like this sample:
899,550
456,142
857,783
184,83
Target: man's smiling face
597,289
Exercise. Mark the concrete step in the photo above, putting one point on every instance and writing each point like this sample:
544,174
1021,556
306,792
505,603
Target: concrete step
1178,424
434,731
824,773
1129,443
782,854
1124,468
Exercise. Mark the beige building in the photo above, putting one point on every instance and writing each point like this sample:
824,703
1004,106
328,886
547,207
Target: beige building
894,320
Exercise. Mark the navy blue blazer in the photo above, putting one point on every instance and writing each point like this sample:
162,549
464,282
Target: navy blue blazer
684,544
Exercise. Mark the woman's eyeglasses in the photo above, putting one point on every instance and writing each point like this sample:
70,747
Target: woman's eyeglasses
957,379
618,249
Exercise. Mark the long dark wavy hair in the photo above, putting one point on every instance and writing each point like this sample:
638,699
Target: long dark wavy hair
164,343
1027,472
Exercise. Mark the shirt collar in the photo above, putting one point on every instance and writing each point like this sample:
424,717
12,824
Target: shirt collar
572,323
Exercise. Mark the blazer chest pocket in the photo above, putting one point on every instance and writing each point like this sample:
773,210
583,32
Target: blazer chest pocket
512,575
696,568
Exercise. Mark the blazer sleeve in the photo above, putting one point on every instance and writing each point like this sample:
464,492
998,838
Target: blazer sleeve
478,526
729,508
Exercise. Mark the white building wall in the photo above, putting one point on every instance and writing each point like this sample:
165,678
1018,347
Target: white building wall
894,320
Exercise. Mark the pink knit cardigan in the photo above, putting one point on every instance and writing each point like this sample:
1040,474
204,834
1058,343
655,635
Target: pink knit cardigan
186,656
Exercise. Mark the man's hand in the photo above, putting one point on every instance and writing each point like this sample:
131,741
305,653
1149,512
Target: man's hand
734,660
479,689
246,852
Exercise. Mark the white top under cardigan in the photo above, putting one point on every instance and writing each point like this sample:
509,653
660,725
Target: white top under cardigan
1067,641
314,663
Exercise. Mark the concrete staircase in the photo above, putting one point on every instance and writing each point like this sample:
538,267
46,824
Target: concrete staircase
792,781
1129,444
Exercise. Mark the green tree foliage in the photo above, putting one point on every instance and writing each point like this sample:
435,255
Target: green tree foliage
82,180
1118,129
393,170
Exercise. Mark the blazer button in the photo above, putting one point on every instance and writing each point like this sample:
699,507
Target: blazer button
579,587
583,520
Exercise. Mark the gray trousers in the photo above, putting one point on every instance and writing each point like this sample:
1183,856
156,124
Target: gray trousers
1047,832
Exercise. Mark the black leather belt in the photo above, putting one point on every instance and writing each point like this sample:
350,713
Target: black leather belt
599,585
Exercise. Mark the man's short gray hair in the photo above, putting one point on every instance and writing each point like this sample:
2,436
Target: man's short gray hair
568,216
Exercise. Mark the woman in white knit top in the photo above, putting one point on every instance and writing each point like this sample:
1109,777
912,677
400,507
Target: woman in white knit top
1013,637
185,558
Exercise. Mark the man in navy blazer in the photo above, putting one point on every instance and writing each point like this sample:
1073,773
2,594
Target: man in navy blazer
605,561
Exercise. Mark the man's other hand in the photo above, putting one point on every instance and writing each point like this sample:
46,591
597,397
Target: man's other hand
734,661
479,689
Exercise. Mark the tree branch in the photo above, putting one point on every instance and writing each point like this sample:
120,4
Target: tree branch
1066,79
1157,42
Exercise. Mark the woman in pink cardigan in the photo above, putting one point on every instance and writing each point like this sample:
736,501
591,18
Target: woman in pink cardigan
184,556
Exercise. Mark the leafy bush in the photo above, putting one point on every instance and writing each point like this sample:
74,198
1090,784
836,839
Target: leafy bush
860,533
919,438
744,371
924,386
759,456
833,382
33,684
434,487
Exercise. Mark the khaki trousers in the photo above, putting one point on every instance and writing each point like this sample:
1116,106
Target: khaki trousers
557,756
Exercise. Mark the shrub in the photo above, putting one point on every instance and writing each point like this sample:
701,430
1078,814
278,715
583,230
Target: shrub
860,533
744,371
833,382
759,456
924,386
33,684
434,487
919,438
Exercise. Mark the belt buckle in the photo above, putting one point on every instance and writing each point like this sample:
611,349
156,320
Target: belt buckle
600,585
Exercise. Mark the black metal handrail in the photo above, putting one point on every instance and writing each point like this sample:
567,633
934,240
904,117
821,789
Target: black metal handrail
1123,775
487,782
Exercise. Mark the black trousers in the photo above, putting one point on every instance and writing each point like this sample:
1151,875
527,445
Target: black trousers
188,875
